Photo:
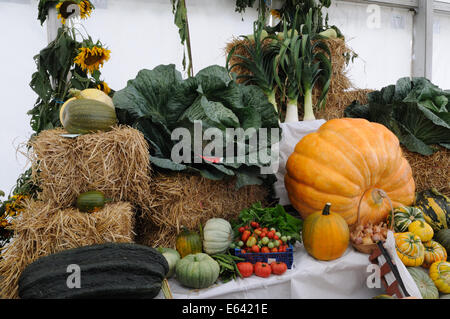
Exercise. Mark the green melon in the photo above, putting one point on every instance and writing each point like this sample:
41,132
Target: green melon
83,116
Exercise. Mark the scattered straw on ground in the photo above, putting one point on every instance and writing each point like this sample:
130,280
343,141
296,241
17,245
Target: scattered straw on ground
42,229
116,163
188,200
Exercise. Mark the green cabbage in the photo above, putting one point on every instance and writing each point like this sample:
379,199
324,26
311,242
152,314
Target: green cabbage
416,110
158,101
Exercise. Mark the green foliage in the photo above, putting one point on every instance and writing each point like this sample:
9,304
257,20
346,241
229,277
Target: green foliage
416,110
179,10
275,217
158,101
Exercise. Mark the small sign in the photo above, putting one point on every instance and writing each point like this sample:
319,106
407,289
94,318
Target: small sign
398,21
70,135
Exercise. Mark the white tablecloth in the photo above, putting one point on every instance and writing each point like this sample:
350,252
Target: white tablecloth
344,278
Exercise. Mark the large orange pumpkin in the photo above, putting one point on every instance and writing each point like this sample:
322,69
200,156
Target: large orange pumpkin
344,162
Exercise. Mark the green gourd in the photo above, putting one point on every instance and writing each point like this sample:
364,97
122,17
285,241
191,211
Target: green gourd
83,116
217,236
91,201
172,256
197,271
423,281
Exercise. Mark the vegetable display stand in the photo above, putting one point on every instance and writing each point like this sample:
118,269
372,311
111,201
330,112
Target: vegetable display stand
286,257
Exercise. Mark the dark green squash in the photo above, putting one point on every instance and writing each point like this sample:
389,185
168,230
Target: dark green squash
112,270
82,116
435,207
91,201
443,238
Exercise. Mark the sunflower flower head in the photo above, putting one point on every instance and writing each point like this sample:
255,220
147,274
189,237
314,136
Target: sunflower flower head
65,9
92,56
275,13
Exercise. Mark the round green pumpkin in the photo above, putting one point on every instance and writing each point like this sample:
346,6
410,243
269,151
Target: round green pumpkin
197,271
217,236
404,216
172,256
423,281
443,238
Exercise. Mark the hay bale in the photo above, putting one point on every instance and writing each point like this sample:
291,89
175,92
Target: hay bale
430,171
116,163
181,199
43,229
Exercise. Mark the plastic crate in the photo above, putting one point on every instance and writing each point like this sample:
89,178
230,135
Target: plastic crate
286,257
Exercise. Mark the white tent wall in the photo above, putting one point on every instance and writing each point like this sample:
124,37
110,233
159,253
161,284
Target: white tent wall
441,49
141,34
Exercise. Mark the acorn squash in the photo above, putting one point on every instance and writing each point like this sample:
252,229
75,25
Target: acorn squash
443,238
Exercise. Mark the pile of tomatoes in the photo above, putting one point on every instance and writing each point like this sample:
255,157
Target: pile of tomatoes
261,269
255,239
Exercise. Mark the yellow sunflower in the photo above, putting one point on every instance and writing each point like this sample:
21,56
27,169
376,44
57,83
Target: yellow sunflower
103,86
91,59
275,13
62,8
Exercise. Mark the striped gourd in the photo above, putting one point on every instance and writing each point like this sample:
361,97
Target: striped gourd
433,252
82,116
404,216
435,207
112,270
410,249
440,274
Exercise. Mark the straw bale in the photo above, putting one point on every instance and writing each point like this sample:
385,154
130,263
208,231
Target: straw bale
190,200
43,229
430,171
115,162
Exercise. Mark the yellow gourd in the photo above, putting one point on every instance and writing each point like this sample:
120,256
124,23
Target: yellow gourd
410,249
421,229
440,274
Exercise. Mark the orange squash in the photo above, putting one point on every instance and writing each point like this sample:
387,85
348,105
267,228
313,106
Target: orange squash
344,162
325,234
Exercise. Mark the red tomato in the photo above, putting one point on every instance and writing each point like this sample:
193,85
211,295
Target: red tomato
265,249
276,237
270,234
274,250
241,229
281,249
265,229
245,268
278,268
262,269
263,234
257,232
254,224
245,235
246,227
255,248
280,241
243,251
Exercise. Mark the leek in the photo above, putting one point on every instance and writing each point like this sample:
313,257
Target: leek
258,62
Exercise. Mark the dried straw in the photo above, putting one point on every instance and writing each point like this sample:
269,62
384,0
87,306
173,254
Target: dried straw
116,163
190,200
43,229
430,171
